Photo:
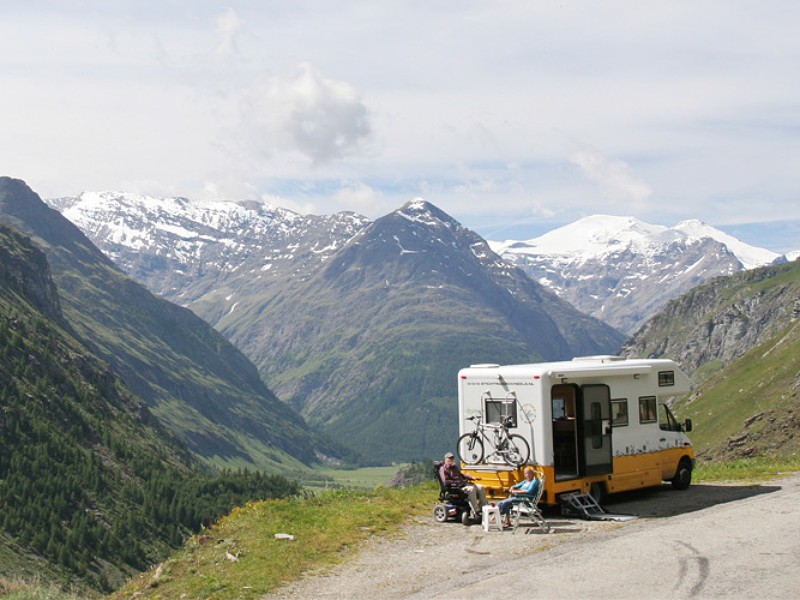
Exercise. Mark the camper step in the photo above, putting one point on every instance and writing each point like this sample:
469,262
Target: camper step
577,504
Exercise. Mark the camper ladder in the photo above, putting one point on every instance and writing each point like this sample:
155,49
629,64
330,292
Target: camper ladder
580,505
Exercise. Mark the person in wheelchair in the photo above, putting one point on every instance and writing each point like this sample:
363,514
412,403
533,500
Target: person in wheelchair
452,475
528,487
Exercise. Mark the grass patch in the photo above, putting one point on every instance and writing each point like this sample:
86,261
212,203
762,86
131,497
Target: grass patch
241,558
19,589
761,468
366,478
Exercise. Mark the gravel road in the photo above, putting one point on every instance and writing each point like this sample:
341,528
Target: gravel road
710,541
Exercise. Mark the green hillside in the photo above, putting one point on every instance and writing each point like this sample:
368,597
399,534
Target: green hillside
737,337
752,406
92,487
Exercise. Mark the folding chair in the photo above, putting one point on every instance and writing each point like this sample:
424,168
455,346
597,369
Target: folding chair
527,507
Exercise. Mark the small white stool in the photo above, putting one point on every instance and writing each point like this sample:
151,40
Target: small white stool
491,518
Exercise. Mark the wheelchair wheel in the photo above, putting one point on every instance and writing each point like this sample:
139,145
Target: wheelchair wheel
518,450
470,449
465,518
440,513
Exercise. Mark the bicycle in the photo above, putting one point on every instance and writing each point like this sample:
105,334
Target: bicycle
512,448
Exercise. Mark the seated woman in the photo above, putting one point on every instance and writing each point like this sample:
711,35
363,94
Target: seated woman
527,487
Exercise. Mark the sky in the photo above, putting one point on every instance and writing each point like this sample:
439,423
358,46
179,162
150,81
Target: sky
515,117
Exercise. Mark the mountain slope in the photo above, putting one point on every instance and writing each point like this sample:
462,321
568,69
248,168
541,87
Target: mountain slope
194,380
718,321
359,325
622,270
367,347
752,406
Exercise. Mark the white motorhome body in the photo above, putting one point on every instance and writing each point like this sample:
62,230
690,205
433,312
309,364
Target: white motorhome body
594,424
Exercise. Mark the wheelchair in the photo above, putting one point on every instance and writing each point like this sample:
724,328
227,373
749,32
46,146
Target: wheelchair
453,502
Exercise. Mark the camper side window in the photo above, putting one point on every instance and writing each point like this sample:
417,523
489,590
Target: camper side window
666,378
619,412
647,409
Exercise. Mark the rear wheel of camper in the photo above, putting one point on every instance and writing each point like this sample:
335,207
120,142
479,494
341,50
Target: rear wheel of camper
598,491
683,477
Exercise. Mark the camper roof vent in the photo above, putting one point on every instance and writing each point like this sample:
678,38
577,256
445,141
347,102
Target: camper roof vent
485,366
600,358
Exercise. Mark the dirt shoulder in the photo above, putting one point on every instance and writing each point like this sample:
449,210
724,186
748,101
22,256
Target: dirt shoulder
427,555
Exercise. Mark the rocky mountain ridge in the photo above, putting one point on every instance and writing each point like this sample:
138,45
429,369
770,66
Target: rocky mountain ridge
719,321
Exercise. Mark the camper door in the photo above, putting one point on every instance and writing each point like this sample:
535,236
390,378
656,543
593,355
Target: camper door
581,430
596,409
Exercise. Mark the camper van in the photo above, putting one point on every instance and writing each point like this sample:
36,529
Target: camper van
593,425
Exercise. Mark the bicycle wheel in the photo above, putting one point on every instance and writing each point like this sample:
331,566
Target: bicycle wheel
470,449
518,450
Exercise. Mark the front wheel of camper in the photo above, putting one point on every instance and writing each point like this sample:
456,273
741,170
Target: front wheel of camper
470,449
440,513
518,450
683,477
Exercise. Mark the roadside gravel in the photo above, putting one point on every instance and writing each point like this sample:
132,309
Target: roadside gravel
706,542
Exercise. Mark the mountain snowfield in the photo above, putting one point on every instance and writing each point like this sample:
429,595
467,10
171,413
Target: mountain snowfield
182,249
602,235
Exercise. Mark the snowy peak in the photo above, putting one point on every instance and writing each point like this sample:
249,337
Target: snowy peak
623,270
603,235
750,256
425,213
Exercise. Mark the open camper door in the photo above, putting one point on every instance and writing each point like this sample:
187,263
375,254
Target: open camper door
595,403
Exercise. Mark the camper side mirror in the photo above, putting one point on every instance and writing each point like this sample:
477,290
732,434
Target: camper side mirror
687,425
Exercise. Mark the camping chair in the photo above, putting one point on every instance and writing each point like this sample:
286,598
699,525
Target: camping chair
527,507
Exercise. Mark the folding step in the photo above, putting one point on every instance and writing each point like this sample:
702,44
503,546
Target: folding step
576,504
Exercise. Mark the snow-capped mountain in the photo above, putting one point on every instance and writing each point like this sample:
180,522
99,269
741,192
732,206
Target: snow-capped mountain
622,270
182,249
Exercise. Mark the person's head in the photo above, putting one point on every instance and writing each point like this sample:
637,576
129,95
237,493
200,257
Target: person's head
529,472
448,458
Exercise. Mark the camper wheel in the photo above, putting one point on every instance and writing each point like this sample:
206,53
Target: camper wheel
683,476
598,491
440,513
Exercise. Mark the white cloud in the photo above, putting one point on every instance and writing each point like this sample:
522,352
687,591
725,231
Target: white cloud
360,198
616,178
318,118
493,111
228,26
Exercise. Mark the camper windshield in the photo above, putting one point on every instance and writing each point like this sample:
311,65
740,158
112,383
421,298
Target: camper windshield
666,420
